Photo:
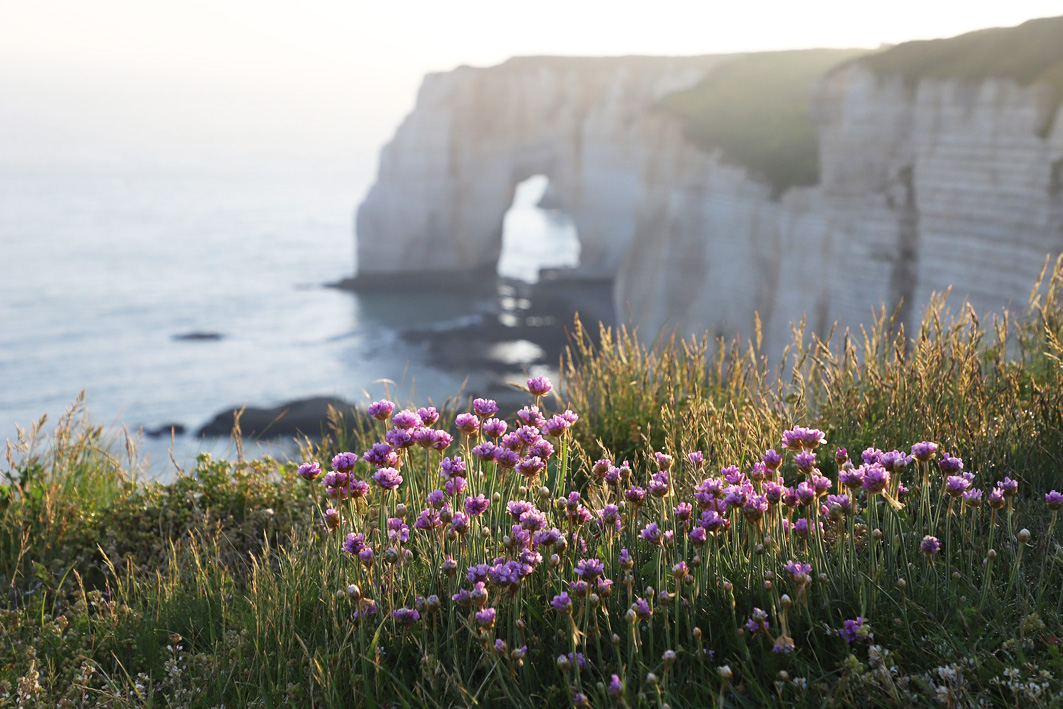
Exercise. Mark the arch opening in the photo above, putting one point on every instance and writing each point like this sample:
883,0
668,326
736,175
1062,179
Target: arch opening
536,233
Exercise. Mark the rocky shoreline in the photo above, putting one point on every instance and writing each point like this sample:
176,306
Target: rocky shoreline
512,329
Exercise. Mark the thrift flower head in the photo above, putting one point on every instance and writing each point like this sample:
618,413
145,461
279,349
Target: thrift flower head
995,499
332,518
428,415
486,618
853,478
876,478
506,459
494,428
635,495
772,459
467,423
754,507
641,608
760,472
851,630
805,461
664,461
758,622
615,687
539,386
801,438
798,570
452,467
381,455
531,416
459,522
381,410
344,462
626,562
1054,500
930,545
541,449
895,461
1008,486
956,485
428,520
562,603
387,478
600,468
950,465
530,467
406,420
651,533
658,484
841,456
405,616
399,438
924,451
309,471
589,569
455,486
484,451
354,543
871,456
476,505
972,497
484,408
557,426
696,459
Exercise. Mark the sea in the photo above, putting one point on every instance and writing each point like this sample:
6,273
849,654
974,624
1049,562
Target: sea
169,295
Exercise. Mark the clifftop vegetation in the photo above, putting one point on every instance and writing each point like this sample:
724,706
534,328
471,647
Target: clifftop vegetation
756,110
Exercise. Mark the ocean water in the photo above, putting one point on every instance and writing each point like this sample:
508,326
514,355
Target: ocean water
101,271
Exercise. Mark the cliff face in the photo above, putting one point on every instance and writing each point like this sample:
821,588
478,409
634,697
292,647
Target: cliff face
922,184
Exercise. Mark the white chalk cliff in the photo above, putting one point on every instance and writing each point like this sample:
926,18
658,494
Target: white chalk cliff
922,185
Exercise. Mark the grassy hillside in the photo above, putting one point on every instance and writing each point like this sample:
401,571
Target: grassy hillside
669,581
756,109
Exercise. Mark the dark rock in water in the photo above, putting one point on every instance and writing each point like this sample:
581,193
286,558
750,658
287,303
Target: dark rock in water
198,336
178,429
305,416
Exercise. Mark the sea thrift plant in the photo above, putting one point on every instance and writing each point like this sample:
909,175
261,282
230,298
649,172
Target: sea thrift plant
663,547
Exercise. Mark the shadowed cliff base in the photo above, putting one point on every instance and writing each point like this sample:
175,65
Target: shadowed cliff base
503,331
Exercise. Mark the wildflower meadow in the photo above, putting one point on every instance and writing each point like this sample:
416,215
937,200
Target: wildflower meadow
872,522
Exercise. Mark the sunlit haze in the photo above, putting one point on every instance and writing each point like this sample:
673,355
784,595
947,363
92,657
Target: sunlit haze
322,85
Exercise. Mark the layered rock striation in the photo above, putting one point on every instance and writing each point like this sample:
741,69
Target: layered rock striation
924,182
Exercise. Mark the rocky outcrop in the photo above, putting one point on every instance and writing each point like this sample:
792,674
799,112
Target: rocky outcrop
923,184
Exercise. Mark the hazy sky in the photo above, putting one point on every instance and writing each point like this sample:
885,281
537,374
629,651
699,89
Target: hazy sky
195,82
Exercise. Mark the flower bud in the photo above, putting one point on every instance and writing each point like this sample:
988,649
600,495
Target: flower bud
877,534
496,498
391,555
616,639
822,577
696,561
668,657
767,584
992,554
902,584
786,601
728,586
400,510
354,592
563,663
544,493
725,673
1024,536
688,581
697,633
651,680
554,561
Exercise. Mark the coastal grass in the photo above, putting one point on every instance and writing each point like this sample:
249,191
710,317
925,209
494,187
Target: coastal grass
223,588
